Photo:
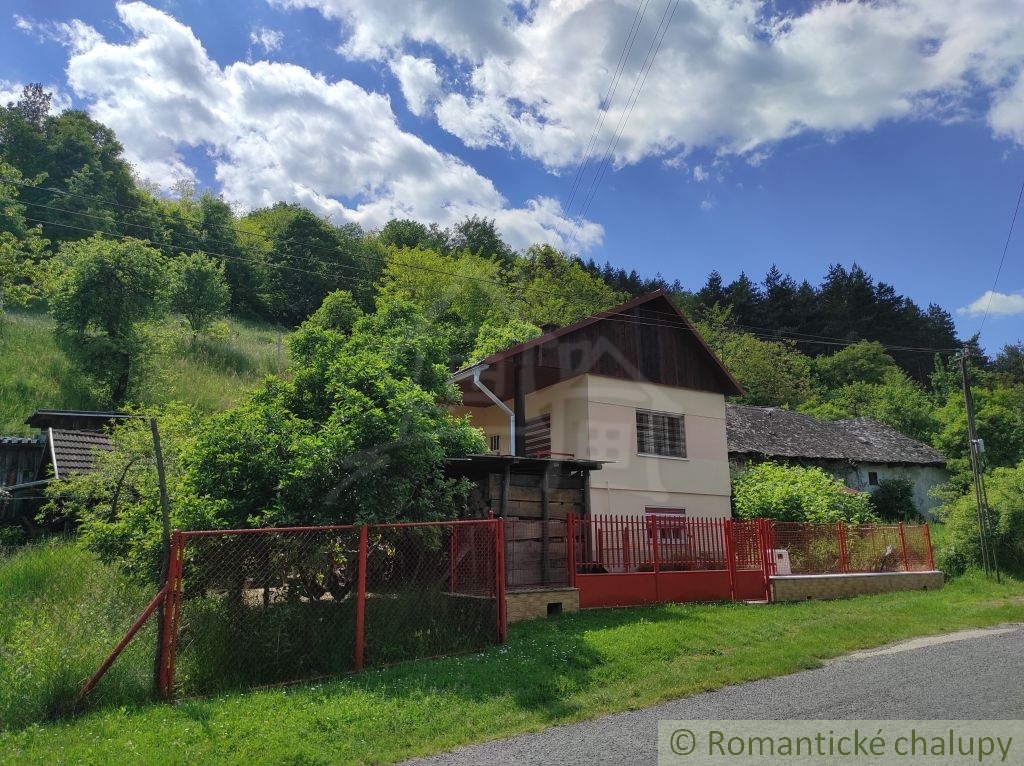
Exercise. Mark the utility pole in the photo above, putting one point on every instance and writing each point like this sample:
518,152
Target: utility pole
977,447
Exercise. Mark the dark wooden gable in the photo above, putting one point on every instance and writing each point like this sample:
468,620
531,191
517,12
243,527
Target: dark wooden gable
647,339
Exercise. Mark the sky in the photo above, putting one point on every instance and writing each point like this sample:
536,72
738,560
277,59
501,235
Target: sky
672,137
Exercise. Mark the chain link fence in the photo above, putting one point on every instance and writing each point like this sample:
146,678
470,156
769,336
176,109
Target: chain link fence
251,608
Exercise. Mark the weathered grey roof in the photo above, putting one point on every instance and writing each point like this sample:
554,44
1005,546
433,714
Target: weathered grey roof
73,451
772,432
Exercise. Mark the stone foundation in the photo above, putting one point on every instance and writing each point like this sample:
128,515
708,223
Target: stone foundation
531,603
803,587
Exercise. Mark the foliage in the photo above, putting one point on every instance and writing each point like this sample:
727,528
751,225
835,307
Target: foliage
200,291
792,493
552,287
21,246
1005,490
893,500
772,373
104,292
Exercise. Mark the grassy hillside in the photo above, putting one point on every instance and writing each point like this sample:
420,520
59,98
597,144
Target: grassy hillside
211,373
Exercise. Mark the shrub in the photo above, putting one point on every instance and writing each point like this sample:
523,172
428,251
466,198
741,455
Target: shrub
792,493
894,500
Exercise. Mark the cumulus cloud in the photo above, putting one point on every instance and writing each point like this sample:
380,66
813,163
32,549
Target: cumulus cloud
268,39
562,80
419,80
276,131
996,304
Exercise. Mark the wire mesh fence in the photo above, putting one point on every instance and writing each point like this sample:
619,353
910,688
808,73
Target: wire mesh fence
841,548
258,607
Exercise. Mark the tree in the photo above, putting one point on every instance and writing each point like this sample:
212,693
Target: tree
480,237
552,287
1005,488
861,362
104,293
21,246
1009,363
200,291
792,493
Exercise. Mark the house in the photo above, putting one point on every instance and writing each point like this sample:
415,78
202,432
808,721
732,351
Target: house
860,452
633,388
65,445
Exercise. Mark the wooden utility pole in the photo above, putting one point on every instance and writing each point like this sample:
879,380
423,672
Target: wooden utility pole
976,447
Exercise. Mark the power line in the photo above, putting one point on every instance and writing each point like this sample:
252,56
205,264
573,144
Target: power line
1002,259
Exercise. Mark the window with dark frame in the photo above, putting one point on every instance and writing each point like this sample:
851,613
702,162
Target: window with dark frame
660,434
873,478
496,443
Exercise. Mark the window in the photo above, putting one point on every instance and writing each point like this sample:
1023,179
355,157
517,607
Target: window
660,434
496,443
873,478
538,436
671,523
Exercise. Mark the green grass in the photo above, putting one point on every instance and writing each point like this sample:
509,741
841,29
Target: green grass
210,373
550,672
62,613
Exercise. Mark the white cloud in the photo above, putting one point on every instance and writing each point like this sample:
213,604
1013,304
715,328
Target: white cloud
419,80
729,78
996,304
700,174
275,131
268,39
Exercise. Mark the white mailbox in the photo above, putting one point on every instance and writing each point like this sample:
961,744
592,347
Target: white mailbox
781,557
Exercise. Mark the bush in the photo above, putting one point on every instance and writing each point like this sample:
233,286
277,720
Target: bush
1005,490
792,493
894,500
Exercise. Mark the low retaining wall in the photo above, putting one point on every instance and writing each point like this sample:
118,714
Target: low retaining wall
531,603
803,587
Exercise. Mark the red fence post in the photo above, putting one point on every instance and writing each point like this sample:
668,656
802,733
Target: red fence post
172,613
730,556
361,600
570,548
499,578
625,545
903,544
653,531
844,553
928,545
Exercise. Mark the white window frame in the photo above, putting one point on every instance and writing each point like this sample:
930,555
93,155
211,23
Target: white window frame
658,436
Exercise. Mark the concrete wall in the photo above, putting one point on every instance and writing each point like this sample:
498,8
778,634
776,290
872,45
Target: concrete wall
803,587
922,477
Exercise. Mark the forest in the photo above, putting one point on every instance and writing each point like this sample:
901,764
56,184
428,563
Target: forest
375,320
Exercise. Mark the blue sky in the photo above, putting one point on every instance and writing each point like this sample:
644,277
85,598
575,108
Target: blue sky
671,136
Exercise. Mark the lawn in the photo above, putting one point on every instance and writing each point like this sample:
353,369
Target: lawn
550,672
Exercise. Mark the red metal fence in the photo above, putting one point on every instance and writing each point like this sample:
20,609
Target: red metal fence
264,606
624,560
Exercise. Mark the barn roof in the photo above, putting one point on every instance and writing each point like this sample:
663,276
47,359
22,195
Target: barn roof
772,432
646,339
74,452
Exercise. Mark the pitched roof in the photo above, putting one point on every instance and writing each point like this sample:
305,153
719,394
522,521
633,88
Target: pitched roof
647,338
773,432
73,452
81,420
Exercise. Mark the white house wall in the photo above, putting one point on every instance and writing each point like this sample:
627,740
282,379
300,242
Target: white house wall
594,417
921,478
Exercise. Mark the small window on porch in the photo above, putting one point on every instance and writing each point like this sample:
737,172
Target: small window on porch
496,444
538,436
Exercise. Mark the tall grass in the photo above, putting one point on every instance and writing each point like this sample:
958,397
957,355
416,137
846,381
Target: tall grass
211,373
63,611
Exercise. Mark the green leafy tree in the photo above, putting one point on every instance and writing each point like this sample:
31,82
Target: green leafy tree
861,362
200,291
1005,489
552,287
104,294
22,247
793,493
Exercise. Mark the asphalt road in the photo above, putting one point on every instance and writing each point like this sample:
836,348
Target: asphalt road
968,675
